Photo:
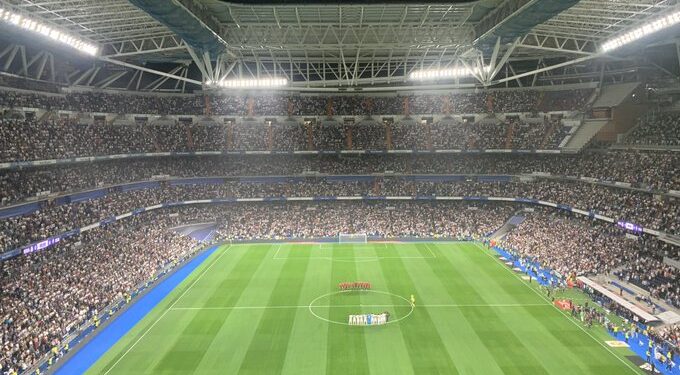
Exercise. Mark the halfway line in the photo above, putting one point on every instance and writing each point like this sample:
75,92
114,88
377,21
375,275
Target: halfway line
346,306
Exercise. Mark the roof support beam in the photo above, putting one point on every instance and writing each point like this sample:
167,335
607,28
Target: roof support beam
162,79
84,75
547,68
504,59
94,74
200,64
147,70
10,58
41,65
106,82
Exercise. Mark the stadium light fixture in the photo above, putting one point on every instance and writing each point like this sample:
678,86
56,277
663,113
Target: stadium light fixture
249,83
47,31
641,31
432,74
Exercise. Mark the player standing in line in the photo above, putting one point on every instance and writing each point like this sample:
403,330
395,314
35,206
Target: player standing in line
413,300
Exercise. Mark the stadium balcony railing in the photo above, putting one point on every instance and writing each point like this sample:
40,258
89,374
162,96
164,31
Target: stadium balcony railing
83,159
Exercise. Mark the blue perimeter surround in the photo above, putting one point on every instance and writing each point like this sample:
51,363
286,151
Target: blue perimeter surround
639,346
109,335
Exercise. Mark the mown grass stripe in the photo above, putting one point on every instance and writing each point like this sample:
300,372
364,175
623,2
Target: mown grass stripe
307,346
507,349
427,351
191,345
345,344
592,354
267,349
529,323
226,353
460,338
469,314
146,339
376,337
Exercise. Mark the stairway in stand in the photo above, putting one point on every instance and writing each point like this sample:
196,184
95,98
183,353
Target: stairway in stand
509,134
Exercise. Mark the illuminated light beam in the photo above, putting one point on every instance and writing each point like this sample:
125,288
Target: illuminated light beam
249,83
48,32
433,74
641,32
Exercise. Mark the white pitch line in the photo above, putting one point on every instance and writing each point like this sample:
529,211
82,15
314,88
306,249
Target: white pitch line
277,252
427,246
352,258
560,311
346,306
168,309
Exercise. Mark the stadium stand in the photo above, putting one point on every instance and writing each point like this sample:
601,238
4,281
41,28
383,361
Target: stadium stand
656,129
52,218
520,125
628,185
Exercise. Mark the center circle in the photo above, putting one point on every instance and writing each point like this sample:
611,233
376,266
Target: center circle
351,307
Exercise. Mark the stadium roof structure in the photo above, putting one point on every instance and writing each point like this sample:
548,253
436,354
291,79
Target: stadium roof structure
316,45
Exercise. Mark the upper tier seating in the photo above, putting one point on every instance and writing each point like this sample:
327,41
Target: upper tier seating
656,129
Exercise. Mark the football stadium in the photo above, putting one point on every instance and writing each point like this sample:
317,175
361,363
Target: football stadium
339,187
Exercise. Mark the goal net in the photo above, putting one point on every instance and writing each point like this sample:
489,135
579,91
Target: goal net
352,238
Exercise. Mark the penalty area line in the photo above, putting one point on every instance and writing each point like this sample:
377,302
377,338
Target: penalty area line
168,309
276,254
427,246
560,311
348,258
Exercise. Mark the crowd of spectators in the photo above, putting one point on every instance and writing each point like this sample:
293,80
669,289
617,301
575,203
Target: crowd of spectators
52,218
498,101
330,136
657,129
647,270
568,245
95,102
573,246
290,136
33,139
29,139
368,135
50,294
669,334
565,99
387,220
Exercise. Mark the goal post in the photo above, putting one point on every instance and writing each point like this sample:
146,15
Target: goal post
352,238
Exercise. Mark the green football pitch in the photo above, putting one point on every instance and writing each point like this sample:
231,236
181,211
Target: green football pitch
277,309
